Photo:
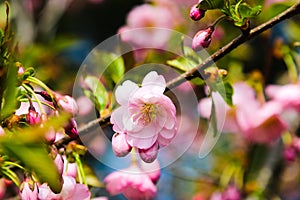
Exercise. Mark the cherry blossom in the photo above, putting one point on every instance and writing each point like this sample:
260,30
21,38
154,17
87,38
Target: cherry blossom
70,191
287,95
133,183
146,116
265,127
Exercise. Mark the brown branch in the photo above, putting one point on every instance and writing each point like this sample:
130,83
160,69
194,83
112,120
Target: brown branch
245,36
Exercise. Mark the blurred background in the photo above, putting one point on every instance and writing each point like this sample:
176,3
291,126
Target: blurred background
55,36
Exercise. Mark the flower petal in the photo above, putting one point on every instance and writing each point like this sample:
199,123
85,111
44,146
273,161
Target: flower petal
125,91
143,139
154,82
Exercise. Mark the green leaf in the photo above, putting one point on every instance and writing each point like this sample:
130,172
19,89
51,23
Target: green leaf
9,101
246,11
184,63
213,118
111,66
97,92
27,146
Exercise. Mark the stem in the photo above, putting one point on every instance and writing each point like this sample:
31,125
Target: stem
41,84
81,174
218,20
35,96
294,10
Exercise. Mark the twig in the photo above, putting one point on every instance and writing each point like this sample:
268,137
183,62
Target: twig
290,12
294,10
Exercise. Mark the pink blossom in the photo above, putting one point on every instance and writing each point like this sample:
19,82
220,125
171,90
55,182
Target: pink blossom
70,191
29,192
134,184
260,123
71,128
146,115
141,17
287,95
202,38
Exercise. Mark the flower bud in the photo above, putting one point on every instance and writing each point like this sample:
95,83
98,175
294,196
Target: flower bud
71,129
196,13
68,104
45,95
202,39
149,155
119,145
32,116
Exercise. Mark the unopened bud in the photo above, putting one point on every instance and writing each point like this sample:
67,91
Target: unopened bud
32,116
196,13
202,39
71,129
119,145
149,155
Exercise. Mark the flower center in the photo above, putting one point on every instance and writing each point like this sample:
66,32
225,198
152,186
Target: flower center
147,113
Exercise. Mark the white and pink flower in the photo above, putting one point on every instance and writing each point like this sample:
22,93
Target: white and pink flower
146,116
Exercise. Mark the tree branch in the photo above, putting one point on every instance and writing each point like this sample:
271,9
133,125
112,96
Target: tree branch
245,36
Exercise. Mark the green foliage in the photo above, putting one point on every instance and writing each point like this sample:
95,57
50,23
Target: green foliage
96,92
110,65
28,147
9,94
236,11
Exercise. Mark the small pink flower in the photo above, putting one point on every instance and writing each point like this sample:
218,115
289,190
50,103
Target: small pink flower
134,184
196,13
21,71
202,38
70,191
149,155
67,103
119,145
29,191
146,115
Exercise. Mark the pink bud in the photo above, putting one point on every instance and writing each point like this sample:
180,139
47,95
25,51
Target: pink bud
119,145
149,155
32,116
68,104
71,129
196,13
45,95
202,39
